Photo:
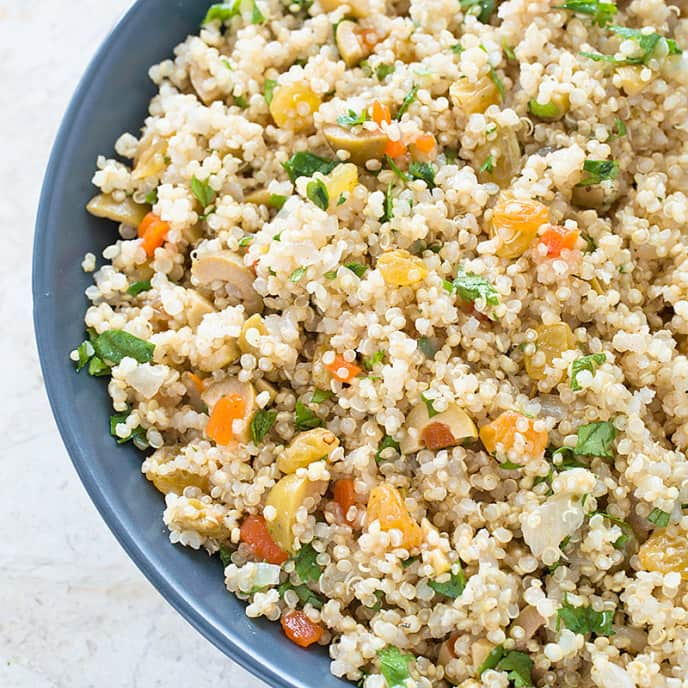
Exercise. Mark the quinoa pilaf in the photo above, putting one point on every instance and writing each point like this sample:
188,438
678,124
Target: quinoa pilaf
398,311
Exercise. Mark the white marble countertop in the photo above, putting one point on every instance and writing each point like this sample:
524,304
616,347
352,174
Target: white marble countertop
75,612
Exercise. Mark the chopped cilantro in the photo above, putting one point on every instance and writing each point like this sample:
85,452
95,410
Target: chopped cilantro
482,9
428,404
305,164
151,197
261,424
97,367
519,668
424,171
359,269
388,205
222,11
488,165
277,201
492,659
246,240
387,443
596,439
114,345
382,71
585,363
305,418
394,666
269,90
298,273
137,287
225,556
659,518
471,287
454,586
204,193
306,566
585,620
395,168
85,351
351,119
598,171
647,42
497,82
320,395
257,17
409,99
304,593
377,357
601,11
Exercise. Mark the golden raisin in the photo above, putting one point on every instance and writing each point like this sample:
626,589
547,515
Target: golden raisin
666,551
515,224
503,436
552,341
386,505
400,269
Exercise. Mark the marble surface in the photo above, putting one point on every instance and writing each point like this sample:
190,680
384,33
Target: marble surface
75,612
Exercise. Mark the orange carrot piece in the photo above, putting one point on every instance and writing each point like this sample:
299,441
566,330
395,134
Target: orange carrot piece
438,436
254,532
557,238
380,113
369,37
345,495
225,412
198,382
300,629
425,143
395,149
153,230
342,370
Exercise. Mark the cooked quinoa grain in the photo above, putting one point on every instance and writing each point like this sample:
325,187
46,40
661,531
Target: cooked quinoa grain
398,313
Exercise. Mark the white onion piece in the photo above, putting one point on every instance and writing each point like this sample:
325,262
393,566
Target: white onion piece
548,524
605,674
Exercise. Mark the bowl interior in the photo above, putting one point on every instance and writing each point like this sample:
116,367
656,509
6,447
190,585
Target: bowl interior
113,98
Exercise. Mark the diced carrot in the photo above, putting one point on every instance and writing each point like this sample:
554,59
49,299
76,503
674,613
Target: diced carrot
380,113
300,629
254,532
369,38
153,230
504,430
198,383
425,143
557,238
342,370
225,412
438,436
395,149
345,495
386,505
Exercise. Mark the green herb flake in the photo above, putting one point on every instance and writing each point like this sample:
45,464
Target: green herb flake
591,243
241,101
488,165
304,593
396,169
97,367
119,418
380,595
598,171
497,82
203,192
257,17
85,351
620,129
261,423
298,273
454,586
471,287
388,205
647,42
428,404
138,287
424,171
151,197
321,395
491,661
305,418
509,52
306,566
359,269
277,201
377,357
269,86
305,164
114,345
330,275
222,12
394,665
387,443
246,241
546,111
519,668
341,200
318,194
567,460
482,9
596,439
351,119
659,518
382,71
585,620
600,11
457,49
225,556
428,347
510,466
585,363
409,99
598,57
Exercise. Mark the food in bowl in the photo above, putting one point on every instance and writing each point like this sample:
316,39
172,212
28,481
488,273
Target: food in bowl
398,312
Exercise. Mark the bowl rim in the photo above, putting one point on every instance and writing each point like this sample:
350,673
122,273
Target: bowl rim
226,641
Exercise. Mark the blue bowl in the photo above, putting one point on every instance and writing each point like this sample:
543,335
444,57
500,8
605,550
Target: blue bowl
113,98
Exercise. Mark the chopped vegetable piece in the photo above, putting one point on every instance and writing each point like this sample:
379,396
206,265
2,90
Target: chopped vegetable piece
257,17
598,171
451,585
298,273
345,495
558,239
114,345
254,533
596,439
438,436
425,143
401,269
471,287
601,11
666,551
312,445
387,506
377,357
305,164
515,224
305,418
519,668
317,193
387,443
320,395
138,287
585,363
394,666
220,425
424,171
343,370
552,341
362,146
261,423
222,11
395,149
306,566
473,97
585,619
380,113
500,436
290,103
549,111
204,193
300,629
659,518
153,231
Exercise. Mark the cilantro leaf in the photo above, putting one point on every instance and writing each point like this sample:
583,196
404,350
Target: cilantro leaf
387,442
137,287
395,168
585,363
454,586
497,82
394,666
382,71
222,11
298,273
482,9
659,518
424,171
596,439
429,406
114,345
351,119
601,11
269,90
598,171
257,17
318,194
377,357
203,192
471,287
225,556
97,367
320,395
119,418
647,42
409,99
304,593
359,269
306,566
585,620
389,204
305,164
261,423
519,668
85,351
488,165
151,197
491,661
305,418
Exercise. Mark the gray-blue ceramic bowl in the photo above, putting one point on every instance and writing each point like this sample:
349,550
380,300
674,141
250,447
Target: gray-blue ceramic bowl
112,98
